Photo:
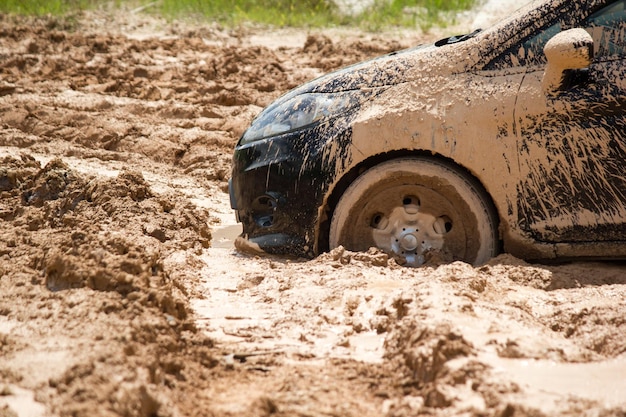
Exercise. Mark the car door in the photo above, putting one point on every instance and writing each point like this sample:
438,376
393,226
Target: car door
572,143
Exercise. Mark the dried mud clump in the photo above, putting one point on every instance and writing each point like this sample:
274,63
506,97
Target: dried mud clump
425,350
93,249
46,205
598,329
14,172
328,55
420,353
341,256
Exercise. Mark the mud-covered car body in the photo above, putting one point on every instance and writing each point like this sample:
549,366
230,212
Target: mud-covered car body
549,157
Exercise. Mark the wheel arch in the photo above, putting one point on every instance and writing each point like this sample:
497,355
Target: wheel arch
344,182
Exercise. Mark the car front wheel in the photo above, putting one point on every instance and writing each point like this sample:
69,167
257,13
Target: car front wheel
414,209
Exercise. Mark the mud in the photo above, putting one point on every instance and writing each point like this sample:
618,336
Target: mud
121,293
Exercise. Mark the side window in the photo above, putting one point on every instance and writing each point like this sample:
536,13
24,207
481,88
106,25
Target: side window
528,53
608,29
607,26
532,49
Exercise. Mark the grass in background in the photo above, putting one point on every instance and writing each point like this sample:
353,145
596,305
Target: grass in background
56,7
44,7
299,13
320,13
413,13
296,13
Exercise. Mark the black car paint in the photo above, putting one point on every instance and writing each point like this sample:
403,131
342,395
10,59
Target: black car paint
277,219
295,164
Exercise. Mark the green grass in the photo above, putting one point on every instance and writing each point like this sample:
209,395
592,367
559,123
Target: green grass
36,8
413,13
43,7
273,12
296,13
319,13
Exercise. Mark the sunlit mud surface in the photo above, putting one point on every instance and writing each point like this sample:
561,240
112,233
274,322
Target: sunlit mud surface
121,293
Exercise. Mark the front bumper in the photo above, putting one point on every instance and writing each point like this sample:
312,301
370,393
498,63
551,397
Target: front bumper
279,186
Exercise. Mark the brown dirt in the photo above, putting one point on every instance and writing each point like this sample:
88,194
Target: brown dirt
121,295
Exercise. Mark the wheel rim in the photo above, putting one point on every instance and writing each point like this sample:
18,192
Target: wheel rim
417,210
408,234
409,222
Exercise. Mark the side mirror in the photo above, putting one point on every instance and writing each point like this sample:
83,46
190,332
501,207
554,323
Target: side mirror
568,50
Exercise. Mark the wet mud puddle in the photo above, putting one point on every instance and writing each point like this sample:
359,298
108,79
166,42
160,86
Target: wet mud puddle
255,304
247,310
603,382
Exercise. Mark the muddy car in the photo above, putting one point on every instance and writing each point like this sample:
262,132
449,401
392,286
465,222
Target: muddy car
511,138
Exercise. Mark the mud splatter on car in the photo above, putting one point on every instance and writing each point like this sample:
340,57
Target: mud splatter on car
508,138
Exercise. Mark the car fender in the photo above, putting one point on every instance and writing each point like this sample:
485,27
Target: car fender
470,132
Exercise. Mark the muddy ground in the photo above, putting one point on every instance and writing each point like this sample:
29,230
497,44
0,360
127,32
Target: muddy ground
121,294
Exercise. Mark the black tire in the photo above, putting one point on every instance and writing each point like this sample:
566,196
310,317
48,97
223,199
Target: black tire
412,208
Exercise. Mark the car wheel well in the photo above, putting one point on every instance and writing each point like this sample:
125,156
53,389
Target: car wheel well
354,173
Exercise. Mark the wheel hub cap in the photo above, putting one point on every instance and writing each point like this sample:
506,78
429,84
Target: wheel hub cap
407,233
408,242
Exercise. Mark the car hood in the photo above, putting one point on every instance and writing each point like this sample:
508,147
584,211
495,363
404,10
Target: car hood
387,70
426,62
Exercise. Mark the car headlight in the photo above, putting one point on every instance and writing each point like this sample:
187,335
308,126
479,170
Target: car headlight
300,111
